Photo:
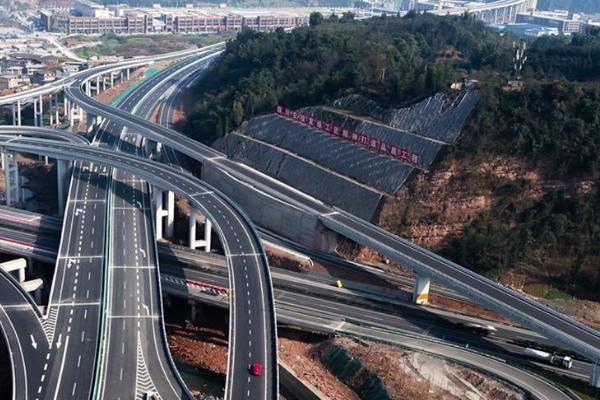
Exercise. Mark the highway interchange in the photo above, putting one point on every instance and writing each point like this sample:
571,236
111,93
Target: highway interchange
515,306
76,306
244,254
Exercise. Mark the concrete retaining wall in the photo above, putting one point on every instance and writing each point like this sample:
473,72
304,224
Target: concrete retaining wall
300,389
272,214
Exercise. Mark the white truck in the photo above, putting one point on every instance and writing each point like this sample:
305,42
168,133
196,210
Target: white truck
553,358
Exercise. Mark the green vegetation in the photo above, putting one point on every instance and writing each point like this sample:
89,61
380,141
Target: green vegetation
350,371
392,60
143,45
551,233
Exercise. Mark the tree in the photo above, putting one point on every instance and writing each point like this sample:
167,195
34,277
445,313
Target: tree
237,112
347,17
316,18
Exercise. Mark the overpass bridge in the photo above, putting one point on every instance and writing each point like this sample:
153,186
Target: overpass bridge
282,209
493,12
266,387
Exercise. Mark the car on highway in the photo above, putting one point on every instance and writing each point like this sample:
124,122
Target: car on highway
256,369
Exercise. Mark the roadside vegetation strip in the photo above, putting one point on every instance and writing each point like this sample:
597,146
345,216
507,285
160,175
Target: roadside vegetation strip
150,72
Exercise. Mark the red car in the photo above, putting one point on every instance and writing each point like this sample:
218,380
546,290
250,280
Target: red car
256,369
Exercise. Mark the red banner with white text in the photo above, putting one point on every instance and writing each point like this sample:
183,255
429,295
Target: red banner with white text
361,138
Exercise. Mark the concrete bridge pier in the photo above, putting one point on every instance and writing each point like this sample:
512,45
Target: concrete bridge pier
421,290
38,111
11,177
595,377
56,109
75,114
194,242
158,151
193,309
16,113
93,122
51,108
162,212
18,264
62,178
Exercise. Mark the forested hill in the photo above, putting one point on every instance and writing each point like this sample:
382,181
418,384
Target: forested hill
391,60
549,131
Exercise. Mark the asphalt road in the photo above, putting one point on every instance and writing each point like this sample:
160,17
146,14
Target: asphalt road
566,331
137,355
313,312
306,295
248,267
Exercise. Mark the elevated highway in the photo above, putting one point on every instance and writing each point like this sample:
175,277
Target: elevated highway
239,181
492,12
304,302
249,274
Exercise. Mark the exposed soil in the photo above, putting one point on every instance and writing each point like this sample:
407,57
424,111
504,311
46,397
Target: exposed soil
296,349
201,345
410,375
108,95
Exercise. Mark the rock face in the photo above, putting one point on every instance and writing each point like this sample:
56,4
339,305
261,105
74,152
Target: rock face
437,205
433,207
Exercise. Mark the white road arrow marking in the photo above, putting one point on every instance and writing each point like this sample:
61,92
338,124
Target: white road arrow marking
146,308
78,211
143,252
33,342
58,342
138,203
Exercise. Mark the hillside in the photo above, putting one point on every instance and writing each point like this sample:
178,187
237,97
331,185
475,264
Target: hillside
516,198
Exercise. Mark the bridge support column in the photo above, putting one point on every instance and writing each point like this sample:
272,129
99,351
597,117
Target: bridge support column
16,113
421,291
595,378
75,114
56,113
62,175
11,177
18,264
193,310
51,108
194,242
38,113
103,83
92,121
162,212
97,85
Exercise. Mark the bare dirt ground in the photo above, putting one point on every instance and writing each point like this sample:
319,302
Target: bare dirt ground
296,348
201,345
108,95
410,375
406,375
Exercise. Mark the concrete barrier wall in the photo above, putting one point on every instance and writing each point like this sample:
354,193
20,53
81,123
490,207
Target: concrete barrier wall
300,389
272,214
